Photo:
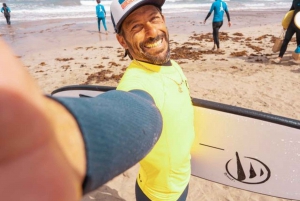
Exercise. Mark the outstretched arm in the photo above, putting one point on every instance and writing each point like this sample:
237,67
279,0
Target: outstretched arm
52,150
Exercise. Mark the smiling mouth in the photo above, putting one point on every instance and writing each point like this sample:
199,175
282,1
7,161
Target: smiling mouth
152,45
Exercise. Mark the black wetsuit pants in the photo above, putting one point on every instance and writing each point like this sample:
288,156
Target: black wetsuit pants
216,27
7,17
140,196
288,36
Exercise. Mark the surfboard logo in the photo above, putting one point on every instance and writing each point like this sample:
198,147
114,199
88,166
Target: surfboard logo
248,171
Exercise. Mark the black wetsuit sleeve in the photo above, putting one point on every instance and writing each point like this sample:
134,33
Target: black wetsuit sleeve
227,14
292,7
118,128
208,15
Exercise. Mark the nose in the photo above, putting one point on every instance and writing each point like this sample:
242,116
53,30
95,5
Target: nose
150,30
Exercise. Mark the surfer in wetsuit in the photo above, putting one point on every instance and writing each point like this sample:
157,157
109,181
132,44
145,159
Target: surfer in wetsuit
59,148
141,29
101,15
218,7
291,30
6,11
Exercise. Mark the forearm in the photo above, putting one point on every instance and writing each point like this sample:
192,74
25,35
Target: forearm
208,15
119,128
68,136
228,16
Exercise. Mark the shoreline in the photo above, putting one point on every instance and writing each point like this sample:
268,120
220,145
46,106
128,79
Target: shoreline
56,33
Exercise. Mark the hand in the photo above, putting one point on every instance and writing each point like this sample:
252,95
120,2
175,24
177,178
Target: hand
229,24
204,21
36,149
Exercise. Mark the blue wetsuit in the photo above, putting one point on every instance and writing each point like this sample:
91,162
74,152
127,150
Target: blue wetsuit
6,12
292,28
218,7
100,12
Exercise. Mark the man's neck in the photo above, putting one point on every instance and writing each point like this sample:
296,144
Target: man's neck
168,63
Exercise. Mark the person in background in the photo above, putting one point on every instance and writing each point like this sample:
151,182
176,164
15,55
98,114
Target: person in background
6,11
291,30
141,30
57,148
218,7
101,15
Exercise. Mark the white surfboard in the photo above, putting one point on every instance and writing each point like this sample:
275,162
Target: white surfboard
242,148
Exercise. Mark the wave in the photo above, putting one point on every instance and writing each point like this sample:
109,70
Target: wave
16,3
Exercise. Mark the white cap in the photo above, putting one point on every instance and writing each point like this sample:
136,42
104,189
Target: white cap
120,9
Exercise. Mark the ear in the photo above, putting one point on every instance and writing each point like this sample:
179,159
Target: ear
122,41
163,17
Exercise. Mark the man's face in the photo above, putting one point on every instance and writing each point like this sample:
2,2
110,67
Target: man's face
145,35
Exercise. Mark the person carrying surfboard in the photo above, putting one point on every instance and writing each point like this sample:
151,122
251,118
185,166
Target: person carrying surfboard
291,30
58,148
141,30
218,7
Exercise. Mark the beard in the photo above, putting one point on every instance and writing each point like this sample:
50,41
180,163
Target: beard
157,58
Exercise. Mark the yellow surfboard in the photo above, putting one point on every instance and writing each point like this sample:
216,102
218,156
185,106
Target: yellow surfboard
287,19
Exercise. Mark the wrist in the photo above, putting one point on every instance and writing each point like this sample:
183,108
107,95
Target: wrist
68,137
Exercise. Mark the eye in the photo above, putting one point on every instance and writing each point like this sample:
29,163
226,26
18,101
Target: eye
136,27
156,19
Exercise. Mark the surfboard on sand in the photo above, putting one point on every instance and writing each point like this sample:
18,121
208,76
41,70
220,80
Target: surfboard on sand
287,19
238,147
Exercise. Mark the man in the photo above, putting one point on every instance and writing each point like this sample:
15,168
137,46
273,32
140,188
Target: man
291,30
218,7
101,15
141,30
55,149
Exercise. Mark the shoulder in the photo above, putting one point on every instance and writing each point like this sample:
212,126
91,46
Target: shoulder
133,78
176,65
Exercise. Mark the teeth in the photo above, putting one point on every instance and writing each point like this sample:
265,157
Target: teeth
154,44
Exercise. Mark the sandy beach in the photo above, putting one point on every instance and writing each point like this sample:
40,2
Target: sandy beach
71,52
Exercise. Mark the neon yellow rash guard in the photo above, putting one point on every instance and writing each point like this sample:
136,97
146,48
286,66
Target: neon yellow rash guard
165,172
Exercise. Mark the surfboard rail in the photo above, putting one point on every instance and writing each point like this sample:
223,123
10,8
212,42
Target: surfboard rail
205,104
247,113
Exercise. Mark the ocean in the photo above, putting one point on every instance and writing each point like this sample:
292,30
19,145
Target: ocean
28,10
